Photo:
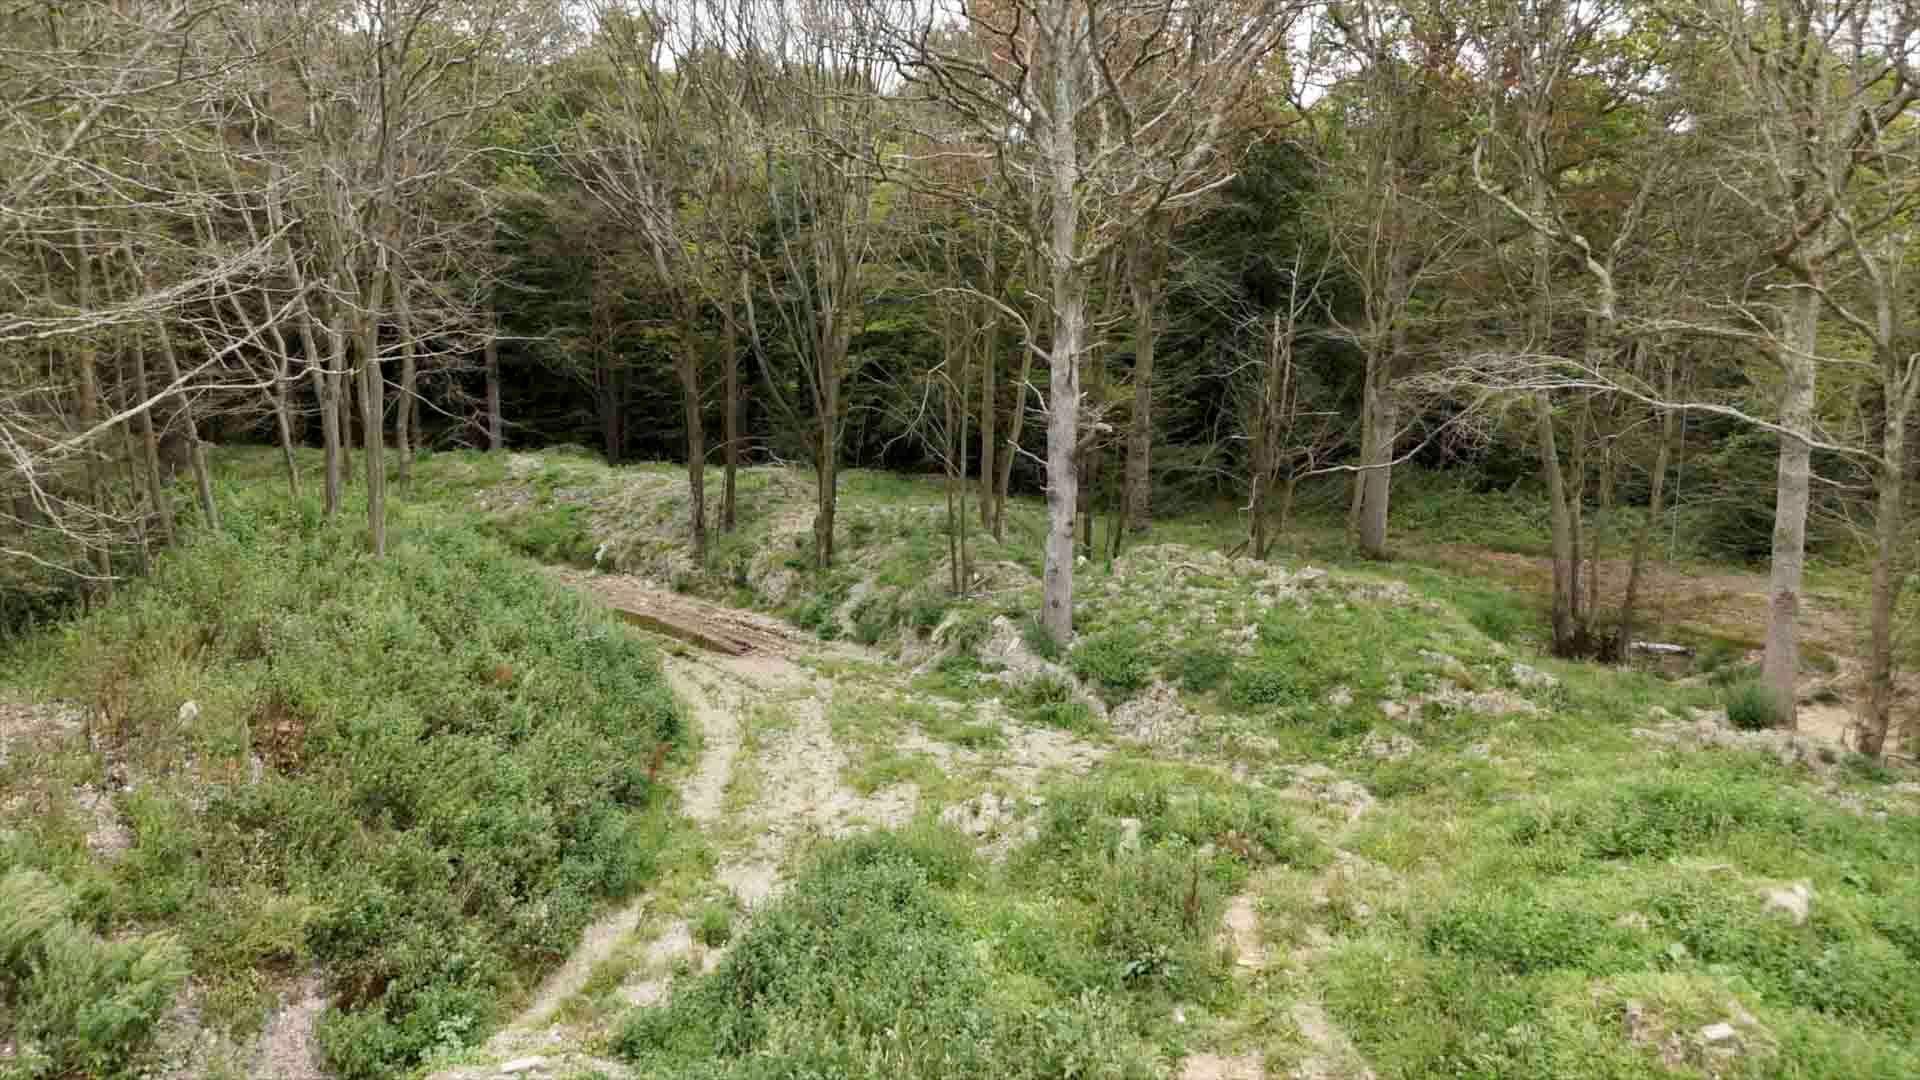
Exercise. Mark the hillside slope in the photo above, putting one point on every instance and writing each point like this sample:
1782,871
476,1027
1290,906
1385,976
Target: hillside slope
1312,822
302,792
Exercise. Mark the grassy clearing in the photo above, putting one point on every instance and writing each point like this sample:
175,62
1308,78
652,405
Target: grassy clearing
904,954
421,775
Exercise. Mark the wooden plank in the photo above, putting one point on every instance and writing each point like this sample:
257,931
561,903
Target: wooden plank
684,631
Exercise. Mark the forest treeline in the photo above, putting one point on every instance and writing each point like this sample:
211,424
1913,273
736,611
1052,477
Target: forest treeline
1119,251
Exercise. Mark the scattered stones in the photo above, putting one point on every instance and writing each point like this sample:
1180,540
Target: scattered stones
107,838
189,712
1389,745
1129,834
1154,717
1451,695
1223,1067
1340,697
522,1065
1722,1032
1317,783
1528,677
1795,901
1633,920
1708,728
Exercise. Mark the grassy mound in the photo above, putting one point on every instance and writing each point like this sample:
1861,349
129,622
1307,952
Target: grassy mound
420,774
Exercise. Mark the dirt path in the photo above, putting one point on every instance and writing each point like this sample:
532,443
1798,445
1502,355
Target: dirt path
769,771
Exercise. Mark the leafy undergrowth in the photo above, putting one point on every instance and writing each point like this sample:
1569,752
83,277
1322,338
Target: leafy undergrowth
419,775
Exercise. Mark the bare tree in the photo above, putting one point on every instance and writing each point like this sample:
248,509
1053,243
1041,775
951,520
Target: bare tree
1101,114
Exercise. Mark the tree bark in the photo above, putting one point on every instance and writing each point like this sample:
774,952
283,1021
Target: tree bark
696,441
1142,279
730,421
1656,506
490,352
89,415
1889,533
323,391
150,445
372,424
1376,481
989,365
826,475
403,427
1560,521
1781,664
196,450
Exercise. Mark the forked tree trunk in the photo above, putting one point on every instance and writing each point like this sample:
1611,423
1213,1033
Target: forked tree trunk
1781,664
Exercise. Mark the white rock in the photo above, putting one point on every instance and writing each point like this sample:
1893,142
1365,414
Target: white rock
1796,900
1340,697
1129,834
1719,1033
189,712
1529,677
520,1065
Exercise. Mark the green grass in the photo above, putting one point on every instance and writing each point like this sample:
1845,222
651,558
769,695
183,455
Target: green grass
423,773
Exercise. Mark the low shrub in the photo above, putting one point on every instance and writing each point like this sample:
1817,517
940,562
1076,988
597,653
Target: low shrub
1753,706
1116,661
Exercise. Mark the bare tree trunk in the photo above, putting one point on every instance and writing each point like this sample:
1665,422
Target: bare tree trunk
1017,418
283,418
696,440
1142,281
323,391
1888,536
150,445
403,428
89,415
1561,525
826,473
1378,477
989,365
730,422
196,450
1781,664
372,425
1656,506
490,352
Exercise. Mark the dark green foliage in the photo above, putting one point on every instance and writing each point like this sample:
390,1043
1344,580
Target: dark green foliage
1039,641
1201,669
71,1002
1753,706
456,767
1521,934
1116,661
1657,819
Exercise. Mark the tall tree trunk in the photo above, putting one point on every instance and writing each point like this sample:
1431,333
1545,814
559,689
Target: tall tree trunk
1656,506
372,425
1560,519
1017,416
696,443
989,404
730,420
150,444
826,474
490,352
1376,481
1889,535
323,391
404,431
1781,664
196,450
1142,279
89,415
